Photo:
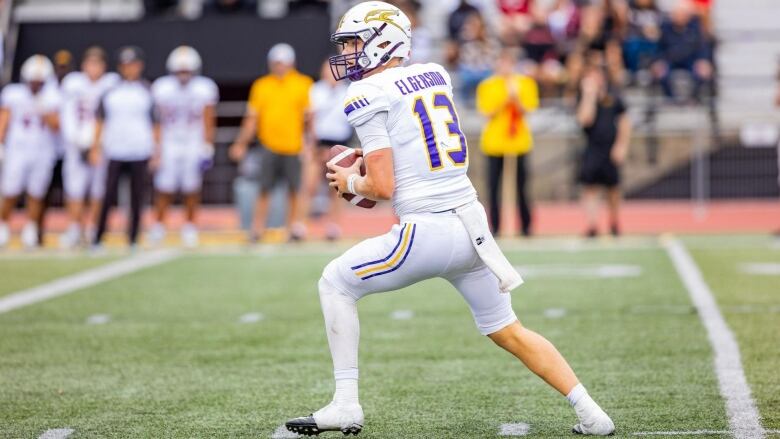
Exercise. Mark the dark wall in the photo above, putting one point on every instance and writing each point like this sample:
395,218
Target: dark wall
233,48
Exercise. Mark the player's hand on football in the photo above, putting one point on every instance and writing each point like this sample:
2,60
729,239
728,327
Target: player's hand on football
338,175
237,151
359,152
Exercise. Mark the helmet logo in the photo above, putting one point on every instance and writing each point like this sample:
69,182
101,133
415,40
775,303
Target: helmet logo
383,15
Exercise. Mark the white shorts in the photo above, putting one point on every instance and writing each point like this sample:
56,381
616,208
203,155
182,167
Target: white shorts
82,179
26,172
424,246
179,171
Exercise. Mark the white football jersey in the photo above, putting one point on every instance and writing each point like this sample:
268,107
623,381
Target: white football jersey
180,108
81,98
26,128
430,155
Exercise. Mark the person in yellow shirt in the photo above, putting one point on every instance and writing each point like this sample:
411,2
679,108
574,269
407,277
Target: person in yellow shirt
505,99
277,114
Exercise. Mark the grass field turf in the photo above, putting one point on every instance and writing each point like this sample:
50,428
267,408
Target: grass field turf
25,272
174,361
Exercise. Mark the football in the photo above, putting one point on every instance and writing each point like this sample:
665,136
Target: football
344,156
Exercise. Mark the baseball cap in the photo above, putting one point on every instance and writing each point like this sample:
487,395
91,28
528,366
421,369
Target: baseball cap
282,52
130,54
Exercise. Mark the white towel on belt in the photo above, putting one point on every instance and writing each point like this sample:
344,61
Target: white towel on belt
473,217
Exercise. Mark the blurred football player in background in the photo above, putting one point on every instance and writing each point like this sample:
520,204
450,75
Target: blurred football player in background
277,112
28,121
330,127
84,183
416,154
186,102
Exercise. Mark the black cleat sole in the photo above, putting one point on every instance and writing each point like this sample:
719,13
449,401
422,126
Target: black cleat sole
307,426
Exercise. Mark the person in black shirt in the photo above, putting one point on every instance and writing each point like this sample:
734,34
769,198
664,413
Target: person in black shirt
602,115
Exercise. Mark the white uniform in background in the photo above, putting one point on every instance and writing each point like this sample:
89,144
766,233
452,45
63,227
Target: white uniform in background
330,123
29,143
81,98
184,148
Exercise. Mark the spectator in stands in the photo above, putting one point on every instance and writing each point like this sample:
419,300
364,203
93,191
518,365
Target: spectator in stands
603,27
230,7
477,55
330,127
277,113
607,126
456,19
683,46
515,20
127,133
505,99
642,34
542,56
28,119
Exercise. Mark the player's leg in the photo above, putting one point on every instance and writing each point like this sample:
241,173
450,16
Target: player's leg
613,198
268,173
97,191
39,182
11,185
312,172
191,183
493,314
406,255
75,175
166,183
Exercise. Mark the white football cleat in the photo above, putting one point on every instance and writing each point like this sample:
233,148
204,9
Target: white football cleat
593,420
5,234
189,235
156,234
347,419
30,235
70,238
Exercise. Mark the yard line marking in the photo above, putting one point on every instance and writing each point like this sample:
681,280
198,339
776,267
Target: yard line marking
740,407
87,278
251,317
554,313
514,429
98,319
56,433
761,268
402,314
282,432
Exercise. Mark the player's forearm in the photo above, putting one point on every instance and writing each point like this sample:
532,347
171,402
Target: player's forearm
623,137
98,134
373,189
157,138
247,129
586,111
4,117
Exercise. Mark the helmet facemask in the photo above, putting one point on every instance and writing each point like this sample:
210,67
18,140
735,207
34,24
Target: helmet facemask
355,65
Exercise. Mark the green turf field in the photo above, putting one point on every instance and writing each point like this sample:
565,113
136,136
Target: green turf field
175,360
20,273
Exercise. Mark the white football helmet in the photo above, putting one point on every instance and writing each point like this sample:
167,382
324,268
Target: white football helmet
386,33
183,59
37,68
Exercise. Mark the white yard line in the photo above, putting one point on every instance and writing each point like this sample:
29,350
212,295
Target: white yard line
740,407
282,432
514,429
56,433
87,278
690,432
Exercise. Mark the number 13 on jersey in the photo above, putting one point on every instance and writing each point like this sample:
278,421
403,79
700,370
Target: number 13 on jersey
457,155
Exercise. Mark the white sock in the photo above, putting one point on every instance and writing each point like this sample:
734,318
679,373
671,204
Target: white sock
346,392
343,331
576,394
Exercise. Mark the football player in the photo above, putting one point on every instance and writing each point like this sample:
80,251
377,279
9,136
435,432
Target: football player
28,120
81,93
416,155
186,102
